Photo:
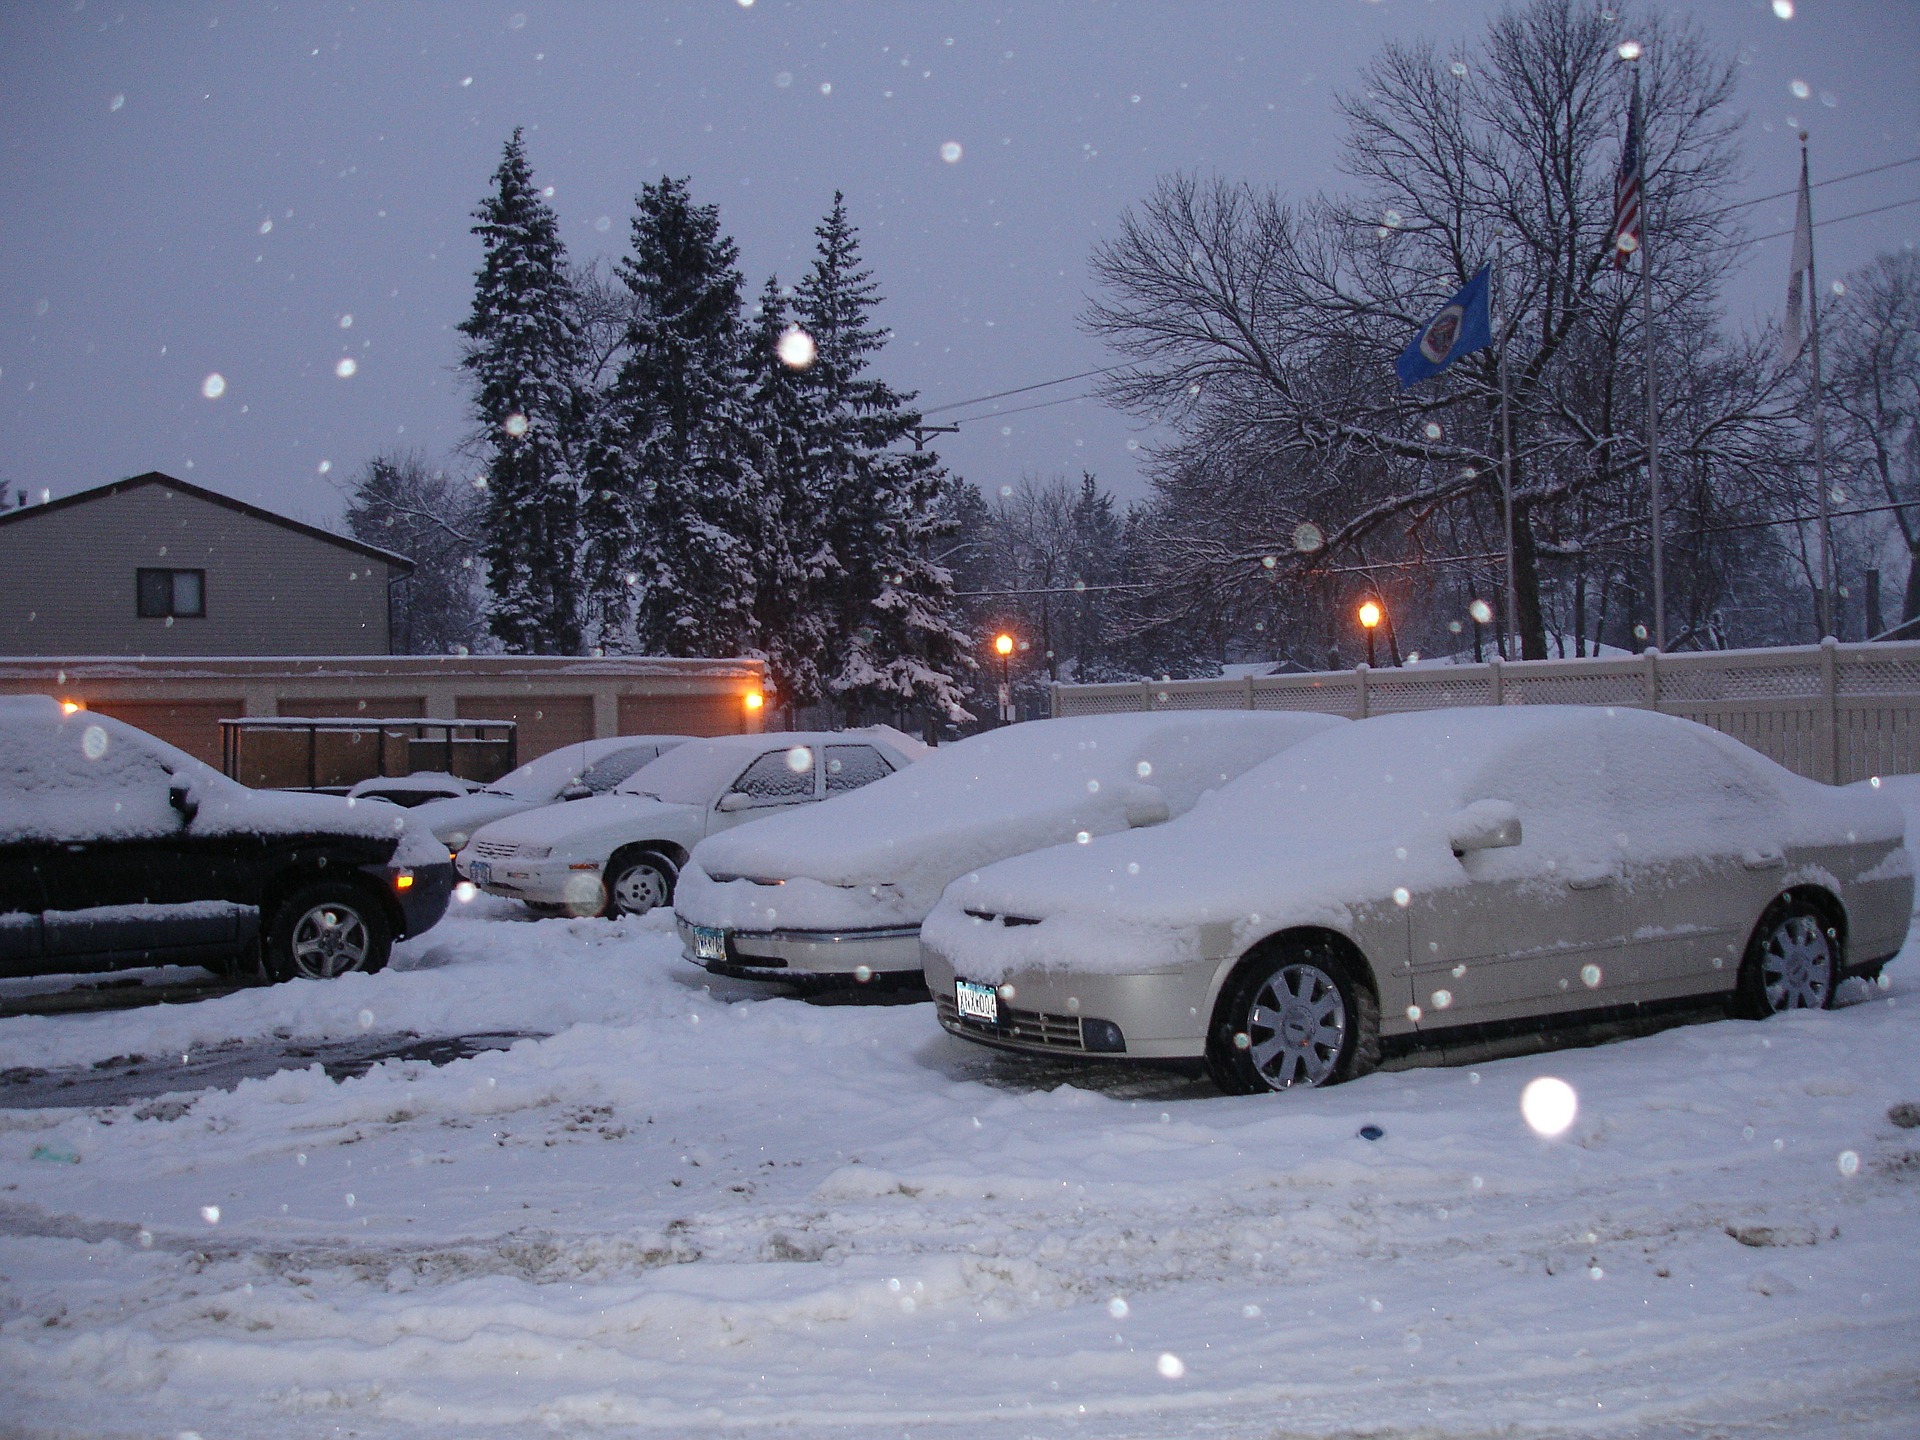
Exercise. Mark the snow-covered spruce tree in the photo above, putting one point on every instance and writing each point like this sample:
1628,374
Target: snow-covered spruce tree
669,504
522,351
790,626
890,602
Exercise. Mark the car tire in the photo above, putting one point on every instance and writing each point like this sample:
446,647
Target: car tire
325,930
1792,961
638,883
1294,1013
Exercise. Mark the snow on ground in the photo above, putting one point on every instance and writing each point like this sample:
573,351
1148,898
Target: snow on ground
695,1210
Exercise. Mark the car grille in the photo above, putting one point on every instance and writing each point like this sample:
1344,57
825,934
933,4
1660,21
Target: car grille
1018,1027
494,849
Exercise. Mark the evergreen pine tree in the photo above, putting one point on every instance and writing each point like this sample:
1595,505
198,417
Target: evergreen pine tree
790,627
669,502
890,602
522,351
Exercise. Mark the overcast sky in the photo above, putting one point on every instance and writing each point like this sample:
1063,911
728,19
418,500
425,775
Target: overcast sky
265,191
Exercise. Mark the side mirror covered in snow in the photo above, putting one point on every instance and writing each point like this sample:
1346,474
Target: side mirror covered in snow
180,797
734,800
1484,825
1145,806
576,791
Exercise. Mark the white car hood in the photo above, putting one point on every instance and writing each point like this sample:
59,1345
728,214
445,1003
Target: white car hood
464,814
592,824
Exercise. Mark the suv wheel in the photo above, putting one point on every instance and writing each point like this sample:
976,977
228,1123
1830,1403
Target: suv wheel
327,929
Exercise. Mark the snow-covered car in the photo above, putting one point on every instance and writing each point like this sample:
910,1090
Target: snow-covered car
118,850
837,893
411,791
573,772
1421,877
620,854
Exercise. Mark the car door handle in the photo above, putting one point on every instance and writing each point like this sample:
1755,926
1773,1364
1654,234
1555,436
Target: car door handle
1593,879
1768,859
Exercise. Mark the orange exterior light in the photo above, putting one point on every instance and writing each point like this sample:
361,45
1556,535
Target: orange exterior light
67,707
754,700
1370,614
403,881
1003,643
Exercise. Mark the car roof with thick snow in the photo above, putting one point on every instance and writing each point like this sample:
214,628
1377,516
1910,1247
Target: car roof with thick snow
690,774
545,776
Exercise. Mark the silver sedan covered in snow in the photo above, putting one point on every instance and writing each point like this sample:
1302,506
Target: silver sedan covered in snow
1428,876
837,893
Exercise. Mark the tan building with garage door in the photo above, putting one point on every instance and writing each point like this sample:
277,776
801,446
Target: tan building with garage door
553,699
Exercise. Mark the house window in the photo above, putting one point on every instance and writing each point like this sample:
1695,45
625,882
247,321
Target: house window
168,593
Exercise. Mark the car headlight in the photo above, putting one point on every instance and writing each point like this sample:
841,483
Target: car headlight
457,840
533,852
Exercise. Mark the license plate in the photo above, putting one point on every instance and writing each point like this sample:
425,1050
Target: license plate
976,1002
482,872
709,944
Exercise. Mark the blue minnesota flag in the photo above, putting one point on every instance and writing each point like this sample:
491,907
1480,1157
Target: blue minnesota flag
1462,327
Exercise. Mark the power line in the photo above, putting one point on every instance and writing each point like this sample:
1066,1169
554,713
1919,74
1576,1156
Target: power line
1818,184
1831,220
1724,210
1021,409
1019,390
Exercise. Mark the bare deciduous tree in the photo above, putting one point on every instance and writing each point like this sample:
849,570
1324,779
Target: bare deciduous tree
1264,331
400,502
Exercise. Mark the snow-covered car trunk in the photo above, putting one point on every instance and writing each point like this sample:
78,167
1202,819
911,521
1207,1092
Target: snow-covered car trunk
1458,869
841,890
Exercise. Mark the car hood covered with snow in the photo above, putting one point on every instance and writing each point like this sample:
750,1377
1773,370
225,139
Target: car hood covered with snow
455,818
594,826
880,856
1363,816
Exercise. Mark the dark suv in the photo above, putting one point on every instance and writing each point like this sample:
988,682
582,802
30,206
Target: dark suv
118,850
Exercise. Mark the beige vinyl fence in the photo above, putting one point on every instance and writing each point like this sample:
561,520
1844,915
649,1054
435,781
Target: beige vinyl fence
1834,712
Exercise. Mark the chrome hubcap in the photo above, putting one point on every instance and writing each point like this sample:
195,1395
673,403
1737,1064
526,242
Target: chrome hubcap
1296,1026
329,940
1796,965
639,890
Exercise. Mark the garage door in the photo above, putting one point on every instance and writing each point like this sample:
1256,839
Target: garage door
546,721
193,725
681,715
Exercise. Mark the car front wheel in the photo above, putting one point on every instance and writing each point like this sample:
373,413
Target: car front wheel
325,930
637,884
1792,963
1295,1014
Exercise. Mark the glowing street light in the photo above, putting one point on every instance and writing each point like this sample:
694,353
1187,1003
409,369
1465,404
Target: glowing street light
1003,643
1369,618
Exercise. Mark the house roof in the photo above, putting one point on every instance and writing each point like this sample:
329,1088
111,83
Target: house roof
213,497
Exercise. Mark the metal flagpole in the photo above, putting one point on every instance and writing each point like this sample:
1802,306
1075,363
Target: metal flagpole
1819,413
1506,447
1653,394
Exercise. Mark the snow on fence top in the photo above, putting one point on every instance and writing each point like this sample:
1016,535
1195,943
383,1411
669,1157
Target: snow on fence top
1832,712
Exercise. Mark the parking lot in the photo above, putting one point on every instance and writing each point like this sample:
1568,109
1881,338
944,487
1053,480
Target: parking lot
698,1208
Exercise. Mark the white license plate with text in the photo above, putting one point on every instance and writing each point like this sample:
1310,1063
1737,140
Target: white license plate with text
976,1002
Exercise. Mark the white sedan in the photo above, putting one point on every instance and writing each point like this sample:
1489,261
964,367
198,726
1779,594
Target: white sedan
620,854
573,772
1431,876
837,894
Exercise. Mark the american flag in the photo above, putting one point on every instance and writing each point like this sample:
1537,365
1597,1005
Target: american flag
1626,187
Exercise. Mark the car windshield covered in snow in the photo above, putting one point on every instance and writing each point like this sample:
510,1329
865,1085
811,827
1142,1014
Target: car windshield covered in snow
596,765
691,774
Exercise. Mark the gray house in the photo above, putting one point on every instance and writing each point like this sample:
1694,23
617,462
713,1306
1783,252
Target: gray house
155,566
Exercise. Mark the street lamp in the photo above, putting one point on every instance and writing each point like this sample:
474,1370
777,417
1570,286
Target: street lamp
1369,618
1003,643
